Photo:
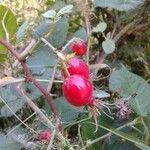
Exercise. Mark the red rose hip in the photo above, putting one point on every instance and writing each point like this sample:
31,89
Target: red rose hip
77,66
45,135
79,47
78,90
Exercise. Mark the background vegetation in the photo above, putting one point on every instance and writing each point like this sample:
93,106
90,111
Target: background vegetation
117,33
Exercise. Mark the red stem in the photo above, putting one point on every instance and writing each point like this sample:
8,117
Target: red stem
10,48
37,84
30,77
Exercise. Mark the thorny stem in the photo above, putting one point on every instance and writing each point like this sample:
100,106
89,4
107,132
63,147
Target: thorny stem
26,52
44,118
30,78
36,109
38,85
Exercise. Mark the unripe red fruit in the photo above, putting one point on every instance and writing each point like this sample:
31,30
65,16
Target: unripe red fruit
79,47
45,136
77,66
78,90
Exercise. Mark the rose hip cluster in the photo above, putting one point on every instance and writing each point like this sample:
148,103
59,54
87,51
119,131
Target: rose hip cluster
77,88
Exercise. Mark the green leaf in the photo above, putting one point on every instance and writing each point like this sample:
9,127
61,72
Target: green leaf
59,33
7,143
39,61
13,100
67,112
118,144
101,27
65,10
42,29
87,131
57,28
21,31
130,83
10,142
81,33
122,5
108,46
43,56
10,23
49,14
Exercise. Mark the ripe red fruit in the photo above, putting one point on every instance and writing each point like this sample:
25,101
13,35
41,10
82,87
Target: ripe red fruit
78,90
79,47
77,66
45,136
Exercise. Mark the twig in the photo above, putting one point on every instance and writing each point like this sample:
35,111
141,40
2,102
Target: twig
117,37
68,43
49,87
89,143
88,50
77,122
44,118
14,80
124,30
101,58
26,52
140,27
145,127
49,45
114,30
80,138
51,140
84,8
45,93
59,55
11,64
21,123
37,110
